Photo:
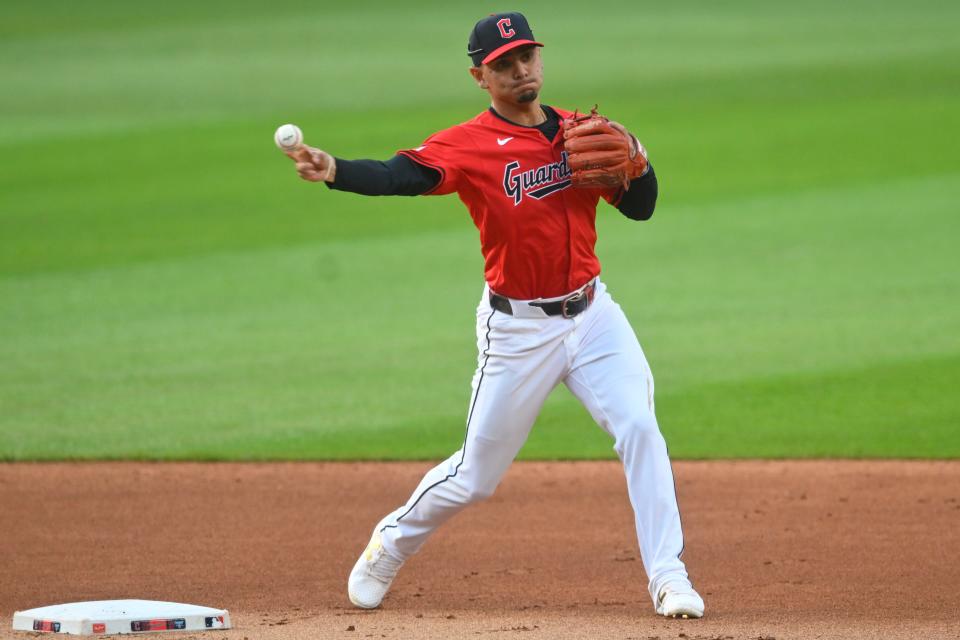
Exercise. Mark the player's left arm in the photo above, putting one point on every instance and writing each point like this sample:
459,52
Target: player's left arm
602,153
639,201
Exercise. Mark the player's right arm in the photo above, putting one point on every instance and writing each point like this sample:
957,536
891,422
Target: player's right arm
433,168
398,176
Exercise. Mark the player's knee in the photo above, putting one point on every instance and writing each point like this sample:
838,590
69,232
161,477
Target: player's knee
637,430
482,492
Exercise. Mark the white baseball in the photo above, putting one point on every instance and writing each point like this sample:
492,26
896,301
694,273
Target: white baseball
288,137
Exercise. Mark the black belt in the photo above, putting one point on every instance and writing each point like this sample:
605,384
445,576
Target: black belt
569,307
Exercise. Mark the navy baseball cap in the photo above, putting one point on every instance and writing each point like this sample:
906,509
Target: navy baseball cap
496,34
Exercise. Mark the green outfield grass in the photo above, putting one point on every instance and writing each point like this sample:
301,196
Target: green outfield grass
170,289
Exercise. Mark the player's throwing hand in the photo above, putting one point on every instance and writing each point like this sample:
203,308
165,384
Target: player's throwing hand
314,165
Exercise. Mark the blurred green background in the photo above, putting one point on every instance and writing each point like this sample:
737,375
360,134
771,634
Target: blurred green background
170,289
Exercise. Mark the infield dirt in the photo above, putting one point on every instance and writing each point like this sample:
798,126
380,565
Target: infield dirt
798,549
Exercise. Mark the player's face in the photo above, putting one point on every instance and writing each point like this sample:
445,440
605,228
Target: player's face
514,77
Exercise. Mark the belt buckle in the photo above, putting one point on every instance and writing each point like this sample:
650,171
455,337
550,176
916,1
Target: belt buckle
577,297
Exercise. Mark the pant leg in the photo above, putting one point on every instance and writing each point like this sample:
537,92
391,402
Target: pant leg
609,374
520,361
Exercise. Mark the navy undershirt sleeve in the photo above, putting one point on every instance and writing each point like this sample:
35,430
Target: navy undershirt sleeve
398,176
639,201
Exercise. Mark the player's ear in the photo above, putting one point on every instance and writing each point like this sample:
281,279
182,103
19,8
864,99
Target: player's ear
477,74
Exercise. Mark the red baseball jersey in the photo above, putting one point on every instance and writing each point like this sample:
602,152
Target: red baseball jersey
537,233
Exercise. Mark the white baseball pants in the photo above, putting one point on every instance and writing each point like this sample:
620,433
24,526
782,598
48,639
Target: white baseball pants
522,357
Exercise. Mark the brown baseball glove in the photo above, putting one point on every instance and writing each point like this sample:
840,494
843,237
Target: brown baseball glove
601,153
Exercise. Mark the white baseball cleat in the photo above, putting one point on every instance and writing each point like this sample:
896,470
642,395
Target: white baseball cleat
372,575
679,600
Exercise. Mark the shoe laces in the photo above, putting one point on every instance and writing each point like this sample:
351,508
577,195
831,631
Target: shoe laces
676,588
380,564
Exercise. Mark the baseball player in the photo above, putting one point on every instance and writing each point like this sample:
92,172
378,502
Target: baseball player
531,177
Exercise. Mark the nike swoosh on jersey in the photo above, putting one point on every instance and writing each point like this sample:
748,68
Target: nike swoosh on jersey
503,141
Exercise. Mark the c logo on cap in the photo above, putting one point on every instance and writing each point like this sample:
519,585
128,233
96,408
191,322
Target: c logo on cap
502,24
